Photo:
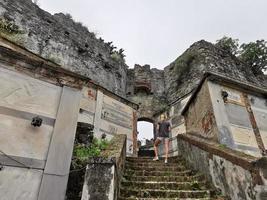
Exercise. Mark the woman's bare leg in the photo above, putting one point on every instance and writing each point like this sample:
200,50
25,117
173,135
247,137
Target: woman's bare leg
156,143
166,149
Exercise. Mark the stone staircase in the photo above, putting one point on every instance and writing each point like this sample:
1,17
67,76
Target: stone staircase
145,179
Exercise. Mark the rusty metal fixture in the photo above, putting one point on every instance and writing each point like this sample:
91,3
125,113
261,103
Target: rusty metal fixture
254,125
224,95
103,136
37,121
252,100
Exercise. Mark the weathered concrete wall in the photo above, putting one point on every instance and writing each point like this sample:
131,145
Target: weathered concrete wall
26,146
108,115
177,120
232,120
28,90
113,117
236,175
61,40
235,126
199,118
103,174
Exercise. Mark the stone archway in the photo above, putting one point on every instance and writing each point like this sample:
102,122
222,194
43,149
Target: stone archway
150,120
146,136
146,119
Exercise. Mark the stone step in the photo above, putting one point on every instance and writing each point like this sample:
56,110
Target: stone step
157,168
154,163
134,198
197,177
158,173
150,159
195,185
146,153
145,193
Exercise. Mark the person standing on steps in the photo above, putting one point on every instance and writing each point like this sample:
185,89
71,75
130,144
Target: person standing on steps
163,132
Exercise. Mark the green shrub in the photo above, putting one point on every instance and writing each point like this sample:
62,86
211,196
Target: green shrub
117,57
94,149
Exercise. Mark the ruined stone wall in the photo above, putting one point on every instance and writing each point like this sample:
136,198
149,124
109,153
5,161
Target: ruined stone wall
59,39
184,74
146,87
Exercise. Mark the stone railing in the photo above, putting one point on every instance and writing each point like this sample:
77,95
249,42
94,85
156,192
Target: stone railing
103,174
234,174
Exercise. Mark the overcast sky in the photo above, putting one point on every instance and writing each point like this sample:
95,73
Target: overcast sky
156,32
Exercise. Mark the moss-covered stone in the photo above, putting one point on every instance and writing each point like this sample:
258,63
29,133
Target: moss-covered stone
11,31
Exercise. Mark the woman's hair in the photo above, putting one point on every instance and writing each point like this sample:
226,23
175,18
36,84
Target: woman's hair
163,116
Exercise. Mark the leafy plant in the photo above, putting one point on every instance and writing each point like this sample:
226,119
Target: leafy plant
116,56
83,152
195,185
228,44
254,54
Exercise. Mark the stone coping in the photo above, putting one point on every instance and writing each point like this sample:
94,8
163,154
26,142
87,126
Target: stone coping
221,79
102,160
247,162
236,157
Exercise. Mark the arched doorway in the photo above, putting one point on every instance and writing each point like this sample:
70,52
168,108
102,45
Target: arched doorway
145,136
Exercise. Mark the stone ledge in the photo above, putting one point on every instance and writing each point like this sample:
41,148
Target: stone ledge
238,158
101,160
104,173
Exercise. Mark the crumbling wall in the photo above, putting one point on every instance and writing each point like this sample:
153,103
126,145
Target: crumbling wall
233,115
146,87
199,118
59,39
103,174
233,174
184,74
